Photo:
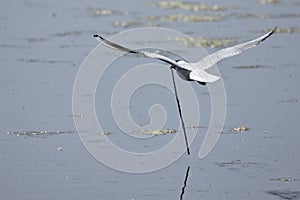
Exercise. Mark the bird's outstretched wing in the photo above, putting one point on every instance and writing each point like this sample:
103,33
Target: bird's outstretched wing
139,52
220,55
197,75
114,45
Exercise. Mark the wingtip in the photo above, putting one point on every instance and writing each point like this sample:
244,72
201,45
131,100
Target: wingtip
268,34
98,37
274,29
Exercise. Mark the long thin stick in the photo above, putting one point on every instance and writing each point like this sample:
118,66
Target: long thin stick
180,114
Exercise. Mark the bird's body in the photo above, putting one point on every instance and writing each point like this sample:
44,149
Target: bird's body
193,71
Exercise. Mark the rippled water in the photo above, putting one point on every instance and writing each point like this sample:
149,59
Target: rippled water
42,45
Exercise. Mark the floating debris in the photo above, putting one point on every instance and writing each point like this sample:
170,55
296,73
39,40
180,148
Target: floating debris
55,35
188,6
195,127
251,67
288,101
284,30
67,33
126,24
237,162
268,1
32,60
29,60
100,11
204,42
9,46
104,133
150,17
191,18
76,116
40,133
150,24
32,40
279,16
241,129
285,194
264,16
155,132
184,18
285,179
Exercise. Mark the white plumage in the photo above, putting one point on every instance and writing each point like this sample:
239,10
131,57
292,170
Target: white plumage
194,71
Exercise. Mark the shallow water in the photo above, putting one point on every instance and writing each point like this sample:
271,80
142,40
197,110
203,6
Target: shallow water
42,45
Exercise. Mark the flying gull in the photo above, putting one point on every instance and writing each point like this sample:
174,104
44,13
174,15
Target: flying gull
193,71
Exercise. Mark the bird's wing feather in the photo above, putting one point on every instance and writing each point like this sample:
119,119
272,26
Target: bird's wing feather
196,74
160,57
220,55
144,53
203,76
113,45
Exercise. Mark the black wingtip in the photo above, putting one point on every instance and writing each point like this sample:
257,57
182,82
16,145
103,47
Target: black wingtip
269,34
98,36
274,29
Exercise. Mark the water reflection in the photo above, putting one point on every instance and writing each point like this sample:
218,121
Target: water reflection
184,182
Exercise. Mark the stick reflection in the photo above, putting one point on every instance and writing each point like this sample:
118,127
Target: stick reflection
184,183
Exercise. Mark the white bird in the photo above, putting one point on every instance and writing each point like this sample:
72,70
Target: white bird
193,71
